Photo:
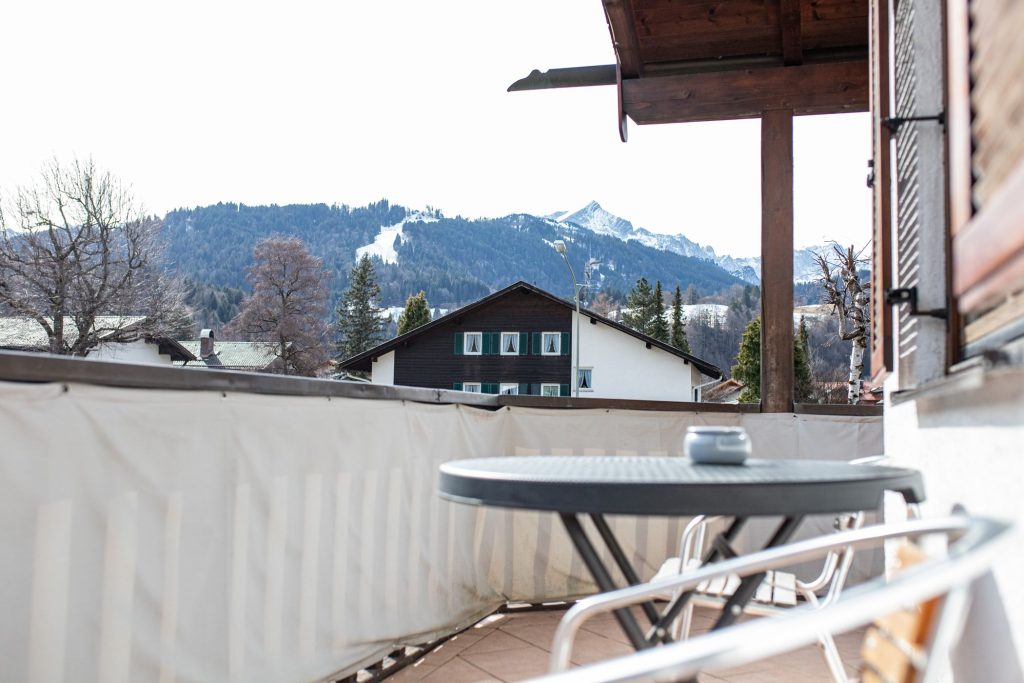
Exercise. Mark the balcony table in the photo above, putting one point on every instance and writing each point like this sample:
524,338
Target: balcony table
573,486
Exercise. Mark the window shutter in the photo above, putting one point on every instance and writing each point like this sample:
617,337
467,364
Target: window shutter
563,389
534,390
565,344
524,343
495,343
485,340
536,344
524,389
920,191
457,386
458,343
489,388
881,258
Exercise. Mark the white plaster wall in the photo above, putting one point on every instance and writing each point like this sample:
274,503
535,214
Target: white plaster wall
383,370
624,368
970,448
132,352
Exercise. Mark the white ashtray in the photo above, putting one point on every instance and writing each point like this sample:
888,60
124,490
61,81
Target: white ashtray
717,445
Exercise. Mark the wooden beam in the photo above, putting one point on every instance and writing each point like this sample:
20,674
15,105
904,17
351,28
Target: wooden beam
789,22
826,88
777,261
619,14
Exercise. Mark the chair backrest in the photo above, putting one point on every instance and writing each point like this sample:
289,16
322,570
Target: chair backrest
973,548
895,645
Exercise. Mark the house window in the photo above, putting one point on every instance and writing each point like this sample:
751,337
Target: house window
510,343
551,343
550,390
473,387
509,389
474,343
586,379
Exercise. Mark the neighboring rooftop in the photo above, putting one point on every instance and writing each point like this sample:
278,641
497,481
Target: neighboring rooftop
26,334
233,355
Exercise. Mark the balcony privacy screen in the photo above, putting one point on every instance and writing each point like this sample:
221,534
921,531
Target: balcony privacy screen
165,536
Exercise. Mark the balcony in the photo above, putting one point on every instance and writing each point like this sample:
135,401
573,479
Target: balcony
174,524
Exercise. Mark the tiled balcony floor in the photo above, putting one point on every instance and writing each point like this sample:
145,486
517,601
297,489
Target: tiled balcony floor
514,647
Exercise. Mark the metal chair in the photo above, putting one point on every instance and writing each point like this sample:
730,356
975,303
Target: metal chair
780,589
973,548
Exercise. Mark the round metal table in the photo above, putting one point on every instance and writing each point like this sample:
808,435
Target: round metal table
596,486
674,486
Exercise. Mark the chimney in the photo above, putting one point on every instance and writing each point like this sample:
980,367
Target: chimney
206,344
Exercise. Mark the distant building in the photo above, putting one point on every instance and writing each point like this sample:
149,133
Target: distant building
231,355
19,333
725,392
519,340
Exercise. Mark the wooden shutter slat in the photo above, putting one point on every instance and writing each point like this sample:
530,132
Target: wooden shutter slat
881,259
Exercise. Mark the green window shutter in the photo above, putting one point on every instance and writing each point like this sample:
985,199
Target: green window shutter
536,344
565,344
495,343
534,390
489,388
458,343
457,386
524,389
563,389
485,349
524,343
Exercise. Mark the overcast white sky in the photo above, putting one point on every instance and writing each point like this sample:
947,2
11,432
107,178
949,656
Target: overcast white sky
350,102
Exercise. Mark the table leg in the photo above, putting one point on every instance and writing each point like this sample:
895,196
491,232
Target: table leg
748,585
620,559
604,580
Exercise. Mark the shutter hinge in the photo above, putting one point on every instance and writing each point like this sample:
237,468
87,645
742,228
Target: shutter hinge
893,123
908,295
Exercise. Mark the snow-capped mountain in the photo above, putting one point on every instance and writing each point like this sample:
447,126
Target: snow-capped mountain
594,217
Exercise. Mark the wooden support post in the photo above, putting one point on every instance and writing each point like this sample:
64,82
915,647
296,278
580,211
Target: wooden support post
777,261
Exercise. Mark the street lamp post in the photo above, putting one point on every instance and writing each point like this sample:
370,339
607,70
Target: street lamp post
560,248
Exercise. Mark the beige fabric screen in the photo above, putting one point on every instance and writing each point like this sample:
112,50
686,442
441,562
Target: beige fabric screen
151,535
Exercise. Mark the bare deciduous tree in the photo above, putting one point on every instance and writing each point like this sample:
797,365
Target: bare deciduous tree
288,304
848,297
76,249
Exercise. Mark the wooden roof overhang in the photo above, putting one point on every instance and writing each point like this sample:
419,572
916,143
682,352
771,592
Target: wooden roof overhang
708,60
679,61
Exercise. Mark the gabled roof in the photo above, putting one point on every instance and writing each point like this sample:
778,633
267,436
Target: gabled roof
233,355
26,334
362,361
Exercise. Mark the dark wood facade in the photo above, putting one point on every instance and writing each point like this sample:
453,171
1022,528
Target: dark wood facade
429,359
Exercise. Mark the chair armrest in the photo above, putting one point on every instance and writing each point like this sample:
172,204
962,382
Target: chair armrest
743,566
977,544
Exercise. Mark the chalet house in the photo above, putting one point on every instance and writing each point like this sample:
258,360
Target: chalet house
231,355
18,333
519,340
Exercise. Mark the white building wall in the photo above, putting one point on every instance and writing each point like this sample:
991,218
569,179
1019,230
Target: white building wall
383,370
968,447
625,368
133,352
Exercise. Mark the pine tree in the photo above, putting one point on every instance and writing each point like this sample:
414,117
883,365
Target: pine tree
802,364
640,303
659,328
678,336
359,318
748,363
416,313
